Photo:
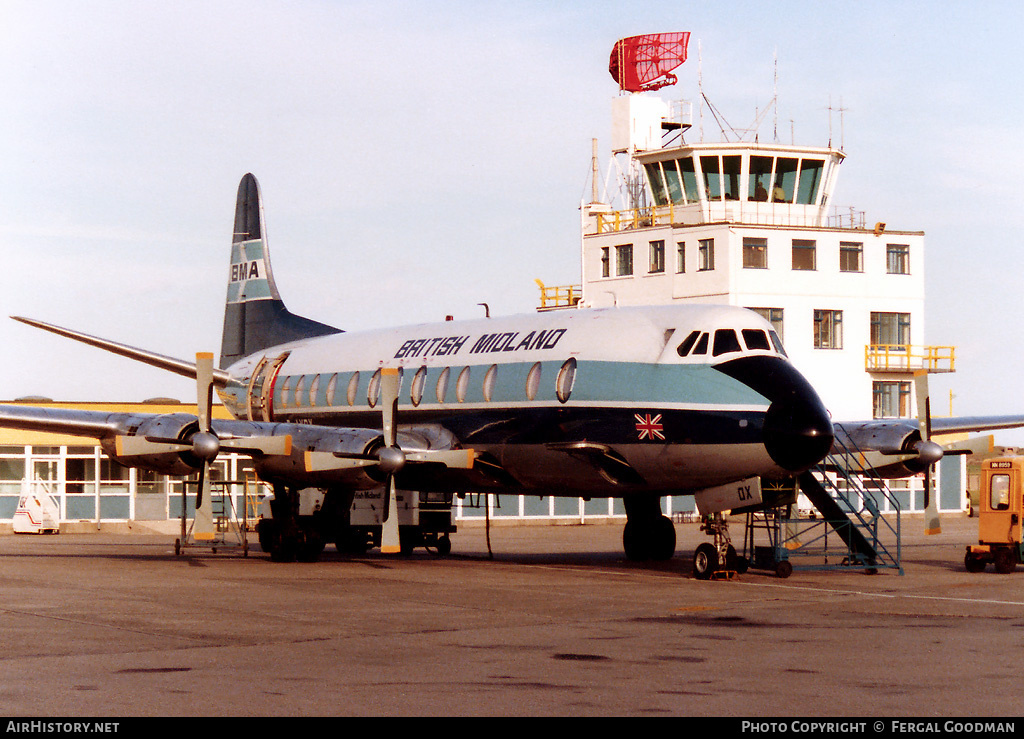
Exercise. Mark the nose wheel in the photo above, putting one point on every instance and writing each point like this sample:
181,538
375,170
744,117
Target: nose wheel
717,559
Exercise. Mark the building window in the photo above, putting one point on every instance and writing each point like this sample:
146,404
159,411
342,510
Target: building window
705,255
606,261
681,257
624,260
890,329
804,254
657,256
828,329
891,399
851,256
755,253
897,259
773,316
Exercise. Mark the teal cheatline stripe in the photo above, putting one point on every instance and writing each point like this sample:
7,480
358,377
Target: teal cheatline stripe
660,383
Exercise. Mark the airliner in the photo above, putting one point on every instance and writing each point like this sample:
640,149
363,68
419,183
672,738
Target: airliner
635,403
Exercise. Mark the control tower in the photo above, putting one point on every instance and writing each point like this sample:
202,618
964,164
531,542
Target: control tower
754,224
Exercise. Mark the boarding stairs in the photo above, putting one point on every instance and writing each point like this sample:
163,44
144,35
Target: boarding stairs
850,497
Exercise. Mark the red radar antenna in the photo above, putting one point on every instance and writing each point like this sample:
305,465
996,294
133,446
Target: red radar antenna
645,62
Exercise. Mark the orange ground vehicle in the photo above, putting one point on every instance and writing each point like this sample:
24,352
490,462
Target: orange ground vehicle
1000,504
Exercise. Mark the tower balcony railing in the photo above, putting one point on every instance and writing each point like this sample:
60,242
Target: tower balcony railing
714,211
557,297
907,358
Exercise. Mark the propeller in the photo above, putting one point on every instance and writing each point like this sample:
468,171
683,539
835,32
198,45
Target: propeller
390,458
928,451
204,445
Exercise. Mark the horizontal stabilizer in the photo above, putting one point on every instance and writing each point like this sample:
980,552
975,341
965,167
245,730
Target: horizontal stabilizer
161,361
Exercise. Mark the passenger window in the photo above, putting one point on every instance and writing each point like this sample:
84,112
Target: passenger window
373,391
566,379
755,338
533,381
332,387
353,387
416,387
442,385
999,499
314,389
725,342
462,385
702,345
300,391
284,391
683,349
490,378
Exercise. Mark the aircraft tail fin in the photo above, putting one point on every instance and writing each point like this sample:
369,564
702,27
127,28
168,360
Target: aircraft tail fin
255,317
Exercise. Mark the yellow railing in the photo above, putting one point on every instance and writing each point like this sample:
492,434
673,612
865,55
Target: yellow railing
906,358
556,297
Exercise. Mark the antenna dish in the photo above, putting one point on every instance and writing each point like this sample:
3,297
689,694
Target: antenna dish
640,63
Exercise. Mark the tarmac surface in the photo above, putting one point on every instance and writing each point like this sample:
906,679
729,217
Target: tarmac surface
556,623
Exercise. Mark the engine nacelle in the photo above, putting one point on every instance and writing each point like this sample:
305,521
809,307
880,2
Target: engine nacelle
171,426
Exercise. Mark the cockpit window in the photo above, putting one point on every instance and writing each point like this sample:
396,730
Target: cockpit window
725,342
683,349
755,338
702,345
777,343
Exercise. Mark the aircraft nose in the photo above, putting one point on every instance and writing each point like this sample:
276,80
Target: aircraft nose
797,434
797,429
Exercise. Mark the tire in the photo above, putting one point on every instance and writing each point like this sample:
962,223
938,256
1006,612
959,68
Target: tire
444,545
634,543
705,561
1005,560
783,569
974,563
663,538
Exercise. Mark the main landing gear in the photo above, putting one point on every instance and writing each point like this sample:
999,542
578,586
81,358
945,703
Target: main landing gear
718,559
649,534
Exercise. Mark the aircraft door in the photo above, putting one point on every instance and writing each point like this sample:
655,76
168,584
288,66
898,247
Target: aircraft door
1001,510
261,388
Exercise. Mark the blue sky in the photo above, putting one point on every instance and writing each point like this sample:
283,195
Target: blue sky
418,158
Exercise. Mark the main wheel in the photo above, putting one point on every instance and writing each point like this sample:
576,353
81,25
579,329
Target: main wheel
705,561
634,542
663,538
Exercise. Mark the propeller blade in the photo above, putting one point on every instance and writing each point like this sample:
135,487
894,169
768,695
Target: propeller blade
204,389
390,543
462,459
202,527
276,446
389,384
325,461
932,522
137,446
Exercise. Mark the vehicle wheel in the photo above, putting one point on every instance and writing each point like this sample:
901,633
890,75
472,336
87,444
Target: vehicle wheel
663,538
1005,560
444,545
783,569
633,542
974,563
705,561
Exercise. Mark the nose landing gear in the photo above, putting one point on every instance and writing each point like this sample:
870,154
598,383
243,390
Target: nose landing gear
717,559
